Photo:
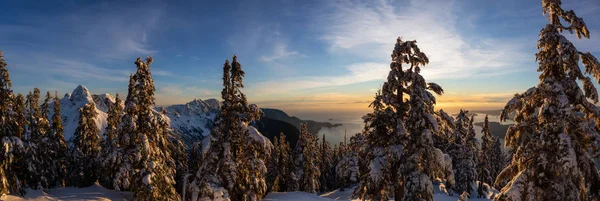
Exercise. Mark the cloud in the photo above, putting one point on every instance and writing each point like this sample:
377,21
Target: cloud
76,70
280,51
355,73
368,30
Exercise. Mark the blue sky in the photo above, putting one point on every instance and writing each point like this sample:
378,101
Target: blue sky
310,58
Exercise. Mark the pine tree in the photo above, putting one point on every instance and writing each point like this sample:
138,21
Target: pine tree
84,164
273,168
59,147
420,124
327,178
45,147
442,138
462,156
283,165
307,161
375,177
33,136
20,155
216,174
10,134
234,167
549,139
148,165
110,147
484,171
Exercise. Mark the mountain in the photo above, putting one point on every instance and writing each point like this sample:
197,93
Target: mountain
271,128
193,120
312,126
496,129
70,104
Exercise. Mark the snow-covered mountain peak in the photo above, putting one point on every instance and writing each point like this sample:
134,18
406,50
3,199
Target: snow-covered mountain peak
81,93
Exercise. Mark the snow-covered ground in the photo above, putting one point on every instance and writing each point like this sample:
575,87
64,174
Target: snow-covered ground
347,195
95,192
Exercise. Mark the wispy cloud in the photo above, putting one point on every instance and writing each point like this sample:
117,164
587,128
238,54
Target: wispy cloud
369,29
355,73
280,51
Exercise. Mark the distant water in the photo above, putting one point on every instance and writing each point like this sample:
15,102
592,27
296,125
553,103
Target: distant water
354,124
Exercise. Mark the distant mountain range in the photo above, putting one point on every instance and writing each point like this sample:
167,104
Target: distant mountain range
193,120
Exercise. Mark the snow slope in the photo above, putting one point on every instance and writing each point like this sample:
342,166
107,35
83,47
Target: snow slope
193,120
70,104
95,192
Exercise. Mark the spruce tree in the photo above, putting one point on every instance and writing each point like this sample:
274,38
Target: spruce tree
59,147
110,147
327,178
375,178
484,172
307,161
33,135
84,157
234,167
10,135
550,140
462,156
45,146
147,165
420,124
283,165
216,174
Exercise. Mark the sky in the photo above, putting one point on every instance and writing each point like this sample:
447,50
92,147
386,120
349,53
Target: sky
311,58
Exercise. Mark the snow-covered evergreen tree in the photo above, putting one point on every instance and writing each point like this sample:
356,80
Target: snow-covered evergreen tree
34,133
59,147
462,156
419,154
327,178
234,165
307,168
484,170
10,135
45,147
550,140
148,160
282,165
442,138
347,168
110,148
374,179
84,157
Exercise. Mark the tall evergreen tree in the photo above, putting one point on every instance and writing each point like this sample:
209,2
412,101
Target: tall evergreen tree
234,166
84,157
375,178
307,161
59,147
420,124
45,146
462,156
549,139
10,135
484,172
33,136
282,165
110,148
327,178
147,166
